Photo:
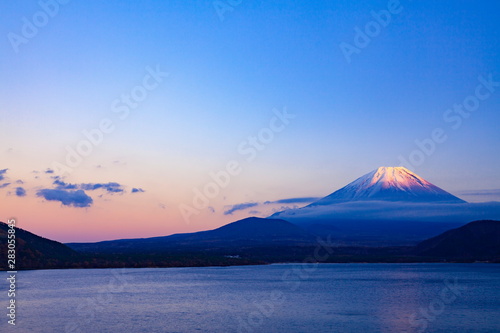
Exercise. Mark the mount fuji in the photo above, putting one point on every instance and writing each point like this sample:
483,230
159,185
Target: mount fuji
387,206
390,184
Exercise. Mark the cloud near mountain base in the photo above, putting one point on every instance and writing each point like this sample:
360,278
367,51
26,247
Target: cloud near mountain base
383,210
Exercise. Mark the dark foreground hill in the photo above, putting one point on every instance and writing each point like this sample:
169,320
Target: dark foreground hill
34,252
478,240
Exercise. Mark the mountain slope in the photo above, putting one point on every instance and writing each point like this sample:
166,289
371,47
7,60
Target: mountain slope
251,231
389,184
33,251
388,206
478,240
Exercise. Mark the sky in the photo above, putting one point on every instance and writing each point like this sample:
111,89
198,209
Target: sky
126,119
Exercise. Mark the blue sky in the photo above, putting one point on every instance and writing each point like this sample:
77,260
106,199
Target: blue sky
225,78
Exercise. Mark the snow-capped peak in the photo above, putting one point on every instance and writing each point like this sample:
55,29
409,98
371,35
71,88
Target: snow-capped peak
389,184
387,177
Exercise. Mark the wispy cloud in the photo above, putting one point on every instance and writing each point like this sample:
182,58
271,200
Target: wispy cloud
283,208
61,185
298,200
294,202
20,192
109,187
240,206
386,210
119,162
491,192
112,187
76,198
69,194
2,173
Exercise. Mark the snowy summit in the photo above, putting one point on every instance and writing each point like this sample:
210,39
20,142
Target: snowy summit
389,184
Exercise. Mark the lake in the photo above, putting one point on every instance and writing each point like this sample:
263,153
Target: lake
274,298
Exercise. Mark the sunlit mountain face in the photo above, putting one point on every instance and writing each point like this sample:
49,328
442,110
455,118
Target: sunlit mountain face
390,184
389,205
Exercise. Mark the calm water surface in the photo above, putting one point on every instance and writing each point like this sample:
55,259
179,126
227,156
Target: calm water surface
276,298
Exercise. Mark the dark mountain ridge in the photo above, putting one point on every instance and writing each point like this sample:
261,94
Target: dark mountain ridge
248,241
252,231
478,240
33,251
